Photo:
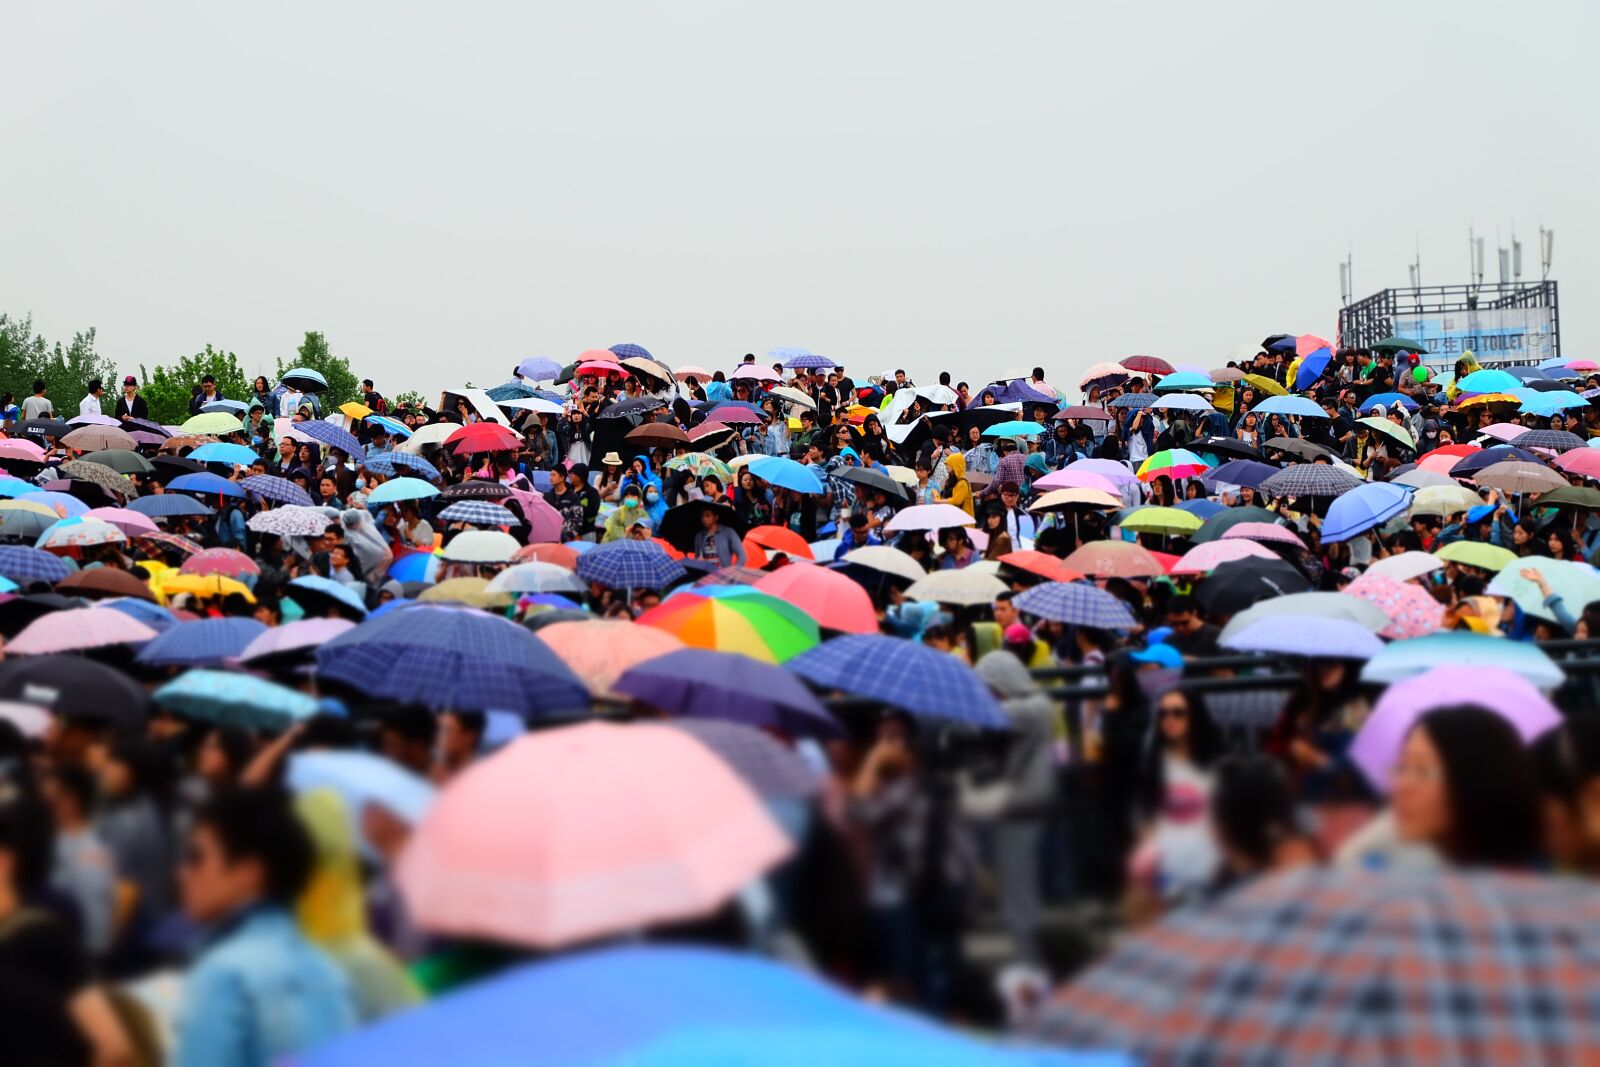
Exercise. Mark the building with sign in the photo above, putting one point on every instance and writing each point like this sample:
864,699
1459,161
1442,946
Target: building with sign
1509,322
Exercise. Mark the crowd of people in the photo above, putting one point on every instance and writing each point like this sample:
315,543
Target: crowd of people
1080,665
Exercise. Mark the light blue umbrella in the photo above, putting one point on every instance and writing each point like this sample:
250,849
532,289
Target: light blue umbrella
305,379
392,425
50,499
401,489
1019,428
1186,402
1309,636
1576,583
539,368
224,452
1462,648
1177,383
1488,380
1290,405
316,587
232,407
1361,509
785,472
1547,403
361,778
232,698
11,487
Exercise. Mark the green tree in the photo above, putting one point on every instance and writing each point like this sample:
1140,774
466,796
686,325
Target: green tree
167,389
409,399
66,369
343,385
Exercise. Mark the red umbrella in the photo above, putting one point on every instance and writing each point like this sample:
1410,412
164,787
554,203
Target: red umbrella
1451,450
483,437
836,602
1147,364
1041,563
777,539
228,562
602,368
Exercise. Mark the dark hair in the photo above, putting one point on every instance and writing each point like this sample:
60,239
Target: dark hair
1252,806
472,722
236,745
28,833
1489,786
1183,604
95,385
77,781
260,824
38,385
207,379
412,722
325,730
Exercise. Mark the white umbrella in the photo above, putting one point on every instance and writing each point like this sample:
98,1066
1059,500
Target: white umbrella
1421,479
1318,604
1443,500
432,434
481,546
960,587
1406,565
533,403
886,560
793,396
536,577
929,517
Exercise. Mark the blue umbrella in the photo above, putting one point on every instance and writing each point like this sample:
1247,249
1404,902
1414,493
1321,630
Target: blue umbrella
629,565
1488,457
280,490
305,379
152,615
479,513
518,390
1018,428
169,505
629,351
389,464
394,426
1076,604
1388,400
224,452
206,484
799,359
700,683
1487,381
332,436
654,1006
1311,367
233,698
201,642
453,659
1246,472
400,489
71,504
1536,402
1202,507
24,564
1019,391
11,487
414,567
1134,400
785,472
1179,381
1529,374
1400,660
316,593
539,368
232,407
1311,636
362,778
1364,508
1290,405
902,674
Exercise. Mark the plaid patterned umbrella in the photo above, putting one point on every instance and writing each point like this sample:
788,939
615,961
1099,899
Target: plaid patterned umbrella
390,464
770,768
101,475
1129,401
23,565
332,436
290,520
1077,604
479,513
453,658
732,576
225,561
201,643
1310,479
904,675
1333,967
1146,364
1555,440
278,490
627,565
156,542
800,359
476,489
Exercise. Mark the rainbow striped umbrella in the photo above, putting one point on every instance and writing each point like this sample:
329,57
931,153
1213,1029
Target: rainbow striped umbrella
1174,463
760,626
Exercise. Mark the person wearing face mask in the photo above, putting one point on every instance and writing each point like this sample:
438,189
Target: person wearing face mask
653,504
630,511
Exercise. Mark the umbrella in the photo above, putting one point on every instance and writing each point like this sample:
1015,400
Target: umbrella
1553,440
66,502
25,565
480,546
1488,381
1317,605
1514,476
201,643
539,368
579,862
653,434
1584,461
928,517
76,688
1246,472
699,683
388,464
79,533
472,591
394,426
1546,403
1443,500
760,626
399,489
1207,557
1576,583
760,540
1403,659
25,521
1109,373
204,586
1133,401
1400,344
1233,587
225,561
1015,428
290,520
600,650
1061,499
93,419
1298,447
536,577
1389,429
1160,520
108,470
787,474
1145,365
361,779
1362,509
225,453
1310,479
829,597
1488,457
305,379
729,415
699,464
31,721
292,642
1108,559
1202,508
94,438
1350,966
336,437
278,490
17,612
1076,604
629,565
1070,479
129,522
451,658
961,587
771,769
169,505
1411,611
1420,478
1478,554
1265,384
1181,380
78,630
1305,636
680,524
904,675
104,582
143,610
317,596
1174,463
230,698
560,555
479,513
206,484
1182,402
1405,566
15,487
1376,748
1040,564
1290,405
1112,470
1385,401
1225,446
884,560
208,422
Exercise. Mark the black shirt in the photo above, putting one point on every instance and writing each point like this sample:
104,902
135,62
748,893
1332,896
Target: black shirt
1196,645
42,967
137,410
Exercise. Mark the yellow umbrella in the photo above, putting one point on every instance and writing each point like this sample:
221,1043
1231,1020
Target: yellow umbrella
1161,520
28,505
472,591
355,409
1477,554
1266,385
204,585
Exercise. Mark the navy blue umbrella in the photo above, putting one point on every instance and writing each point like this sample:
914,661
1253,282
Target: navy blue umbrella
904,675
201,642
699,683
271,487
1134,400
169,505
1202,508
1077,604
453,659
629,565
1245,472
331,435
390,464
629,351
1476,462
512,391
23,565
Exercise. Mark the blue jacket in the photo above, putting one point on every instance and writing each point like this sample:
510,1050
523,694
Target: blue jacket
259,993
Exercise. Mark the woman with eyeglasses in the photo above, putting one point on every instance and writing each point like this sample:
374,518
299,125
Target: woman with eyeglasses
1178,857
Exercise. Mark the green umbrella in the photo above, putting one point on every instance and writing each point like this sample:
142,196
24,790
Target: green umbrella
120,460
1400,344
1479,554
1575,583
1161,521
1214,527
1384,426
215,422
1573,496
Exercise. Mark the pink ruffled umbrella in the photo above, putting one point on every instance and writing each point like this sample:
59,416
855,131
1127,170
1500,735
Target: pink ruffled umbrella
1263,531
1412,611
544,521
1206,557
586,831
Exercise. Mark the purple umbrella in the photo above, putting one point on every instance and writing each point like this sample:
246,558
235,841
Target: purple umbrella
767,765
1376,748
698,683
303,636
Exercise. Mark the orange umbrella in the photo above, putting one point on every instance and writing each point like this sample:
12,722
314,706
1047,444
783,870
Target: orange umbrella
778,539
1041,563
560,555
599,651
836,602
670,549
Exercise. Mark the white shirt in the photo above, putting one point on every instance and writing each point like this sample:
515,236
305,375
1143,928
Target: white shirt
90,405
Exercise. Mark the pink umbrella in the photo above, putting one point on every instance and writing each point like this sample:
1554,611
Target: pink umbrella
1071,479
1584,461
1114,559
597,367
836,602
1503,431
544,521
1439,464
1109,469
727,414
1263,531
1308,343
1412,611
78,629
93,420
129,522
228,562
599,651
928,517
16,448
755,370
293,637
1376,747
1206,557
583,832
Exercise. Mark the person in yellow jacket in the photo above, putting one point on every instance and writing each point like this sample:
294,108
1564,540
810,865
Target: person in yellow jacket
1464,366
957,490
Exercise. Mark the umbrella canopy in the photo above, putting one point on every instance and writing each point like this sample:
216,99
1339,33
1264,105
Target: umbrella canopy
871,477
479,513
1553,440
1233,587
1405,566
290,520
389,464
471,590
95,438
535,578
1070,479
1114,559
1576,583
771,769
629,565
1488,381
305,379
361,779
579,863
208,422
480,546
168,506
25,565
1290,405
753,623
1160,520
78,630
1363,508
74,687
1351,966
99,474
58,502
700,464
1173,463
786,473
398,489
1133,401
699,683
1181,380
928,517
1470,465
451,658
1041,564
1376,748
1076,604
225,453
1310,479
231,698
600,650
80,532
292,642
278,490
1389,429
1207,557
1478,554
336,436
1218,525
204,586
1513,476
226,561
1245,472
205,483
104,582
201,643
317,596
129,522
904,675
1305,636
1443,500
1411,610
760,540
1061,499
962,587
1404,659
1141,365
884,560
829,597
1317,605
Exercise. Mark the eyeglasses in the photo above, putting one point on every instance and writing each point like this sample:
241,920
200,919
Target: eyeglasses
1174,711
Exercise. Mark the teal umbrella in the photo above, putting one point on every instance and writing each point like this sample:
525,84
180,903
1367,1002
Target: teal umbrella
231,698
305,379
1462,648
400,489
1575,583
1014,429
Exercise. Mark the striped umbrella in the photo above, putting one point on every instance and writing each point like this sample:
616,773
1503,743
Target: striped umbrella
755,624
1174,463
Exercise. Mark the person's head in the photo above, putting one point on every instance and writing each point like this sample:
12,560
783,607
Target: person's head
1183,724
631,496
328,488
70,789
711,486
708,518
27,843
1183,614
366,384
406,735
1567,764
247,847
130,385
208,385
1464,784
974,435
223,754
38,386
96,387
460,735
954,540
1005,612
1252,811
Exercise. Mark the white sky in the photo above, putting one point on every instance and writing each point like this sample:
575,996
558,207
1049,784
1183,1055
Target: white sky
445,188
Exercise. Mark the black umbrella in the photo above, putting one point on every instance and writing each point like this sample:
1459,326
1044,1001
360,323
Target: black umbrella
169,466
1297,446
476,489
1230,447
873,478
145,424
632,406
680,524
75,687
18,612
1476,462
45,427
1240,583
538,620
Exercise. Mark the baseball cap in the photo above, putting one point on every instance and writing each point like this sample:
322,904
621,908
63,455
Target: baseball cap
1161,656
130,380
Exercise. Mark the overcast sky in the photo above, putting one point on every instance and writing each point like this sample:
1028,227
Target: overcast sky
445,188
